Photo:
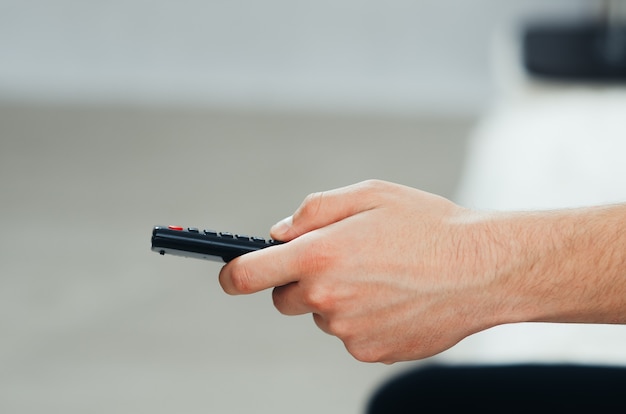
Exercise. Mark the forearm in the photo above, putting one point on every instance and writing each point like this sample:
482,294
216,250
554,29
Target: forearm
562,266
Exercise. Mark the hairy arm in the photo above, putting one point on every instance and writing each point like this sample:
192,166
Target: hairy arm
570,265
401,274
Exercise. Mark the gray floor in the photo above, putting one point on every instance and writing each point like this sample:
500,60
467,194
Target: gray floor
92,321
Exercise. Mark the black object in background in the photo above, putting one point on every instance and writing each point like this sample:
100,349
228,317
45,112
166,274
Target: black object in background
503,389
592,51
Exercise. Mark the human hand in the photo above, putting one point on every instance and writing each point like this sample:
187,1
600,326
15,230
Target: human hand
392,271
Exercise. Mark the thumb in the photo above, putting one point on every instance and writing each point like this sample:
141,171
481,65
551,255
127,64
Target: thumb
324,208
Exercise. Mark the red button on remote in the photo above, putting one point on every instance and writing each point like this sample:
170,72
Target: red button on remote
179,228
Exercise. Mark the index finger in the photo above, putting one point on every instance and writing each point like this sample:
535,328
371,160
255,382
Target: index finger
259,270
327,207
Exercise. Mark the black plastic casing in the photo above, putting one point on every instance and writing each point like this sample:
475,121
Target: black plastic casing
205,244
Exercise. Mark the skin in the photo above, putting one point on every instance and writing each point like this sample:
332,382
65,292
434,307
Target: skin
400,274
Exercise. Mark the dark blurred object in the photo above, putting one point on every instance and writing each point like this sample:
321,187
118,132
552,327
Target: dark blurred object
592,51
525,388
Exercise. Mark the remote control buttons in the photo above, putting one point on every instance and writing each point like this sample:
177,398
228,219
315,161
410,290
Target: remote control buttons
205,244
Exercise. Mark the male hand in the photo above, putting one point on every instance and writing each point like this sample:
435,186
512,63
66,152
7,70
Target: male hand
394,272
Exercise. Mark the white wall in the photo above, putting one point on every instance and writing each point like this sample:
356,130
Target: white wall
408,55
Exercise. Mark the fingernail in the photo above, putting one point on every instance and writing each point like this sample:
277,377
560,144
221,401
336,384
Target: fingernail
282,226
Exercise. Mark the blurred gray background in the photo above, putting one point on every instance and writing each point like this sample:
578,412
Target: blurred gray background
119,115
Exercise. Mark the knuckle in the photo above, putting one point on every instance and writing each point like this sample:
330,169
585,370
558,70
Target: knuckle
311,204
373,184
364,353
340,329
319,298
241,280
279,298
372,192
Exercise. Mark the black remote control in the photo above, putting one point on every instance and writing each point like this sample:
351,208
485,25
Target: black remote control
205,244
